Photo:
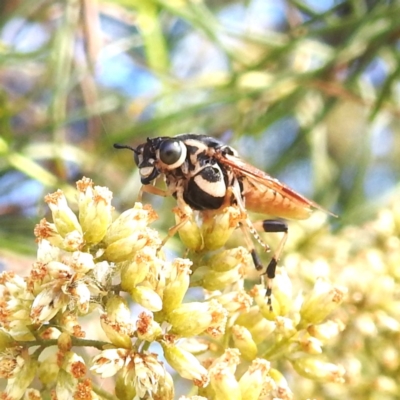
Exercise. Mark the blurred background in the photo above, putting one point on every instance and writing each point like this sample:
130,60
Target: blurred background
307,91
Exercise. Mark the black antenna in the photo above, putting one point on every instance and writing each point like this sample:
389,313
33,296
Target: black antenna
123,146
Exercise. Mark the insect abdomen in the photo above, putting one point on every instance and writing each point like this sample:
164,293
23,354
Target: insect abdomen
265,200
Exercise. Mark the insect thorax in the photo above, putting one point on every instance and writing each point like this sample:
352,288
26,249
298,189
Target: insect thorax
201,180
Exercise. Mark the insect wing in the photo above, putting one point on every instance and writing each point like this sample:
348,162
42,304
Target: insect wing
266,195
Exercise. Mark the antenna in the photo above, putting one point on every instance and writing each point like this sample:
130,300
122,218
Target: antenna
123,146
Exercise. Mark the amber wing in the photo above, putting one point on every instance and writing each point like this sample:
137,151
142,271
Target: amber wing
266,195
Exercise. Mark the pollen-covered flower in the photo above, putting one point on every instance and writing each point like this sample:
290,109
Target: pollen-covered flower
68,291
45,230
142,369
15,303
146,372
69,387
108,362
17,366
147,328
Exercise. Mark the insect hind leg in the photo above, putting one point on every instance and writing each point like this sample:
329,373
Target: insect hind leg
247,227
269,226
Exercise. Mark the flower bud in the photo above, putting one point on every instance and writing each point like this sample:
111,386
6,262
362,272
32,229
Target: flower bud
319,370
72,241
278,384
124,249
135,271
213,280
234,302
69,323
321,301
82,262
191,319
189,232
64,219
185,363
260,298
282,291
94,210
66,385
177,285
125,389
325,331
217,229
229,259
244,342
48,369
116,322
259,327
307,344
222,376
5,340
224,384
147,298
251,382
129,222
64,342
285,327
32,394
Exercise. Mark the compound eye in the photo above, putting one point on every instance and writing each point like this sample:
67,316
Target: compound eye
172,153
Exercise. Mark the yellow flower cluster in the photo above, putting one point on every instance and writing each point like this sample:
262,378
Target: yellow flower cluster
91,263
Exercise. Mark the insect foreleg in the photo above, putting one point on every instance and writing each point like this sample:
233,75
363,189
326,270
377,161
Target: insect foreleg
152,190
174,229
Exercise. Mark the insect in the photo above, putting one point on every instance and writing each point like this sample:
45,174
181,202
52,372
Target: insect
204,174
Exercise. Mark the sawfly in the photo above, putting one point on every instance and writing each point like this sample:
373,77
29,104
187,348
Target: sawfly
204,174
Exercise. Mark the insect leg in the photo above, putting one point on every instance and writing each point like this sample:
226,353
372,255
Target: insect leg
174,229
152,190
274,226
247,227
